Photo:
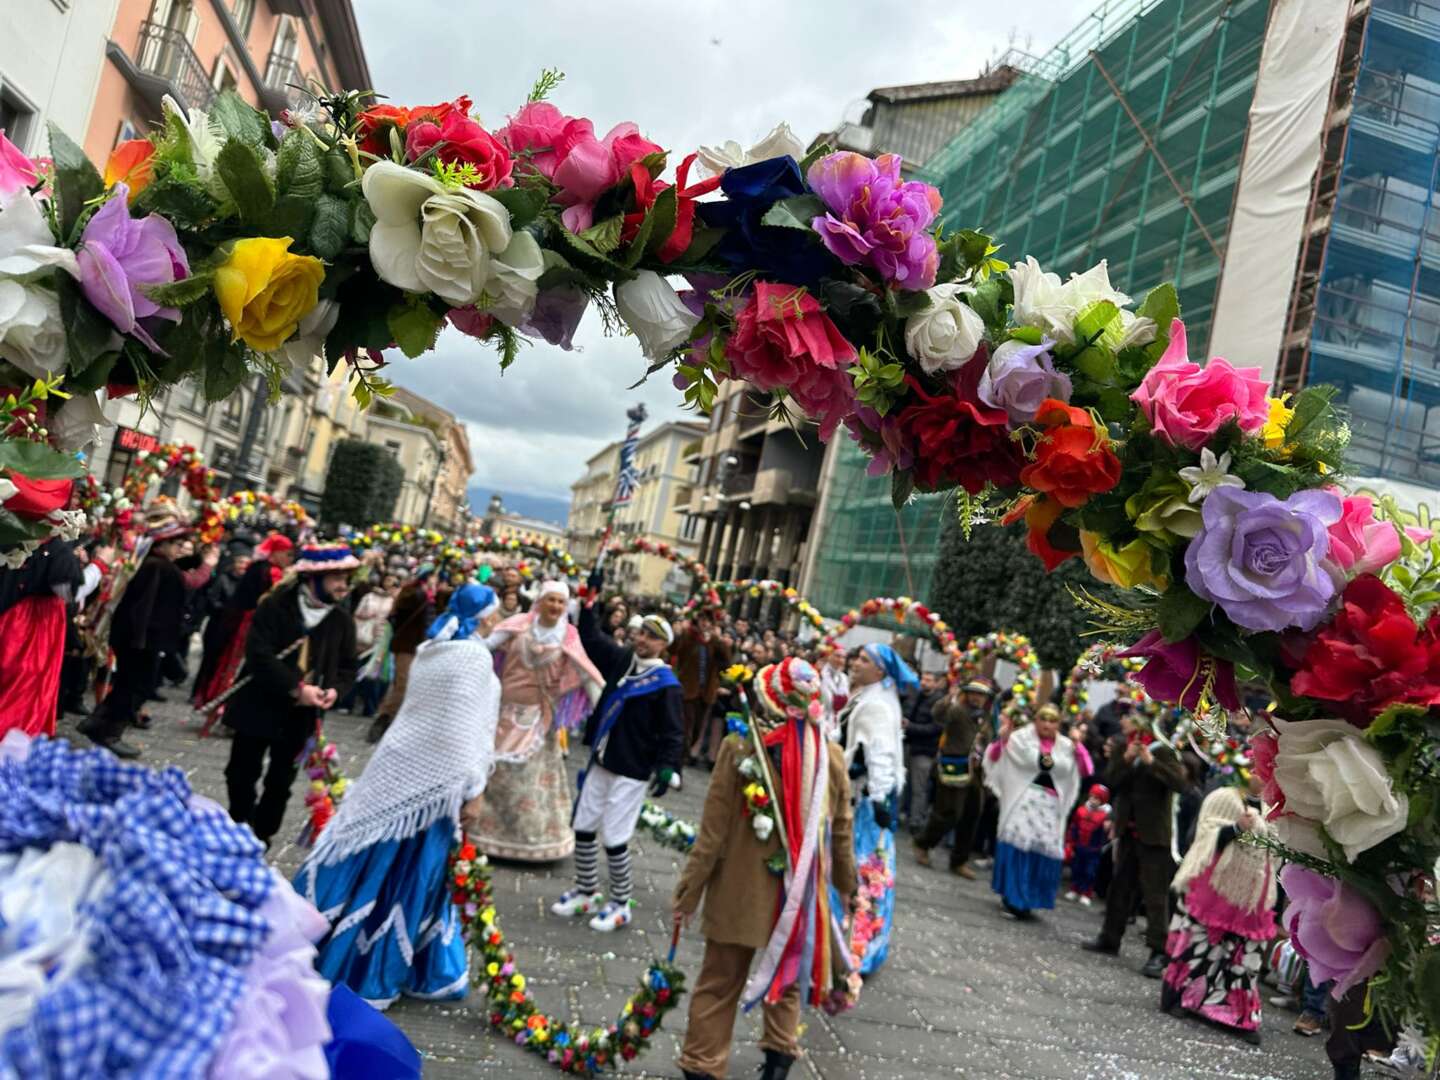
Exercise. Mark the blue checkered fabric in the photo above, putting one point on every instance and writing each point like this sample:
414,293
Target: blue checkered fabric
169,939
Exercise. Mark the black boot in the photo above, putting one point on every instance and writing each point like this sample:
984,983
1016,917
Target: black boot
777,1065
1155,967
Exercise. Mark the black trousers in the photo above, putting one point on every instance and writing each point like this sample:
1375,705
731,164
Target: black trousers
243,773
1146,870
130,686
957,808
1351,1035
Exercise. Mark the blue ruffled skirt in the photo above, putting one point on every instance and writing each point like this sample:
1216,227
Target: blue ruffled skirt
1026,879
872,846
393,929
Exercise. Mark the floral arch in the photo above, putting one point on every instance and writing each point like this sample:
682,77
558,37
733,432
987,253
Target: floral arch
1015,648
716,593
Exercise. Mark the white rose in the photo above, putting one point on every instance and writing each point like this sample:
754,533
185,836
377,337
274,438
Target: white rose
32,336
764,825
1091,287
654,313
1332,776
1136,330
78,424
730,155
430,238
1299,834
1037,295
947,333
514,284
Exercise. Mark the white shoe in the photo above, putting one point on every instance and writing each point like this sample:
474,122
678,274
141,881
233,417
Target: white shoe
574,902
612,916
1072,895
1085,901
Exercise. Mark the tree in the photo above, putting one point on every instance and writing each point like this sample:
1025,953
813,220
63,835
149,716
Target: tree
362,485
992,582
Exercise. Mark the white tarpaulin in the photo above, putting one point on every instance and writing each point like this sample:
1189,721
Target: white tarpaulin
1282,151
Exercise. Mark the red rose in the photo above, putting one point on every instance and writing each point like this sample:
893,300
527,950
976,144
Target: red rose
1073,459
957,438
1371,655
463,142
35,499
372,128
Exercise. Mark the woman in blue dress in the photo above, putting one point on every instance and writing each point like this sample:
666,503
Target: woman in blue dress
379,872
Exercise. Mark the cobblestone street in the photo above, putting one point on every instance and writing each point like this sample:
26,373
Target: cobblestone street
966,991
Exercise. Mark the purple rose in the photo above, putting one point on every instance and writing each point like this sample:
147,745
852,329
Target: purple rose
119,255
1019,378
556,315
1261,559
876,218
1334,927
1176,672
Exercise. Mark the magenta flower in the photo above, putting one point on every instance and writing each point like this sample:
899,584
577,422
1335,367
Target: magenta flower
1334,927
16,170
119,255
1175,672
876,218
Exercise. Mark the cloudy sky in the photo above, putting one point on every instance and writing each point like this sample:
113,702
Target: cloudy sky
689,74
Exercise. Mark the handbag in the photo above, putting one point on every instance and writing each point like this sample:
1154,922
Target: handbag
953,770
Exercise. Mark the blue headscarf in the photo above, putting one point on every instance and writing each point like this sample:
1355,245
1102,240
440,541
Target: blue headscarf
468,605
898,673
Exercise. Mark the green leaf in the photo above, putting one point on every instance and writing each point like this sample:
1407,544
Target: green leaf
291,217
225,368
604,236
238,119
989,300
795,212
1096,363
657,227
243,174
584,251
1030,335
339,173
76,181
902,486
180,201
38,461
1161,305
15,529
524,203
414,327
655,163
814,154
299,167
1310,404
183,292
93,377
1092,323
1180,611
331,227
362,220
88,334
1115,405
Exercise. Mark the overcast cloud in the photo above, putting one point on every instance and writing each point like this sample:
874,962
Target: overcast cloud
688,74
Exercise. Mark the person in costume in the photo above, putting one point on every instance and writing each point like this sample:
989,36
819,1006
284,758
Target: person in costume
698,657
1085,842
1225,899
786,916
548,687
834,688
33,631
413,612
1035,773
959,775
871,721
299,658
379,871
636,736
372,639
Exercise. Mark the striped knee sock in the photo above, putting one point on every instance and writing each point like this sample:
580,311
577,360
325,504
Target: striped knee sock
587,863
620,884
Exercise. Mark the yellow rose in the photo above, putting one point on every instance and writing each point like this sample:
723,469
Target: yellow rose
1279,419
1128,567
265,291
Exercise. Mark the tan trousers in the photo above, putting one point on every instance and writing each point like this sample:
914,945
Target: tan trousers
396,695
713,1002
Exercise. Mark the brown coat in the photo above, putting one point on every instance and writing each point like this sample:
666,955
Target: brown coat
1140,793
685,659
727,863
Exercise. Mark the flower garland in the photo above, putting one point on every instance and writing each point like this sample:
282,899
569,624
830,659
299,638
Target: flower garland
1100,662
328,785
715,593
901,609
643,545
665,828
513,1013
262,507
1016,648
113,510
457,554
876,880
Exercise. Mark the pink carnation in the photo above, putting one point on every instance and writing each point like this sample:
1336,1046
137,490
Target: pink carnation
1358,543
1186,403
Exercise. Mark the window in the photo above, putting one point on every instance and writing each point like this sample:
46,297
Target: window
242,11
17,116
230,418
393,447
196,402
223,77
127,132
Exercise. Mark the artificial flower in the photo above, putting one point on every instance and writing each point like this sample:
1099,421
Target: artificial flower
1073,459
472,322
1332,776
884,438
780,142
1211,473
461,141
17,171
203,138
1042,301
655,314
32,336
648,189
35,499
946,334
1264,745
782,339
130,164
1186,404
514,279
265,290
539,135
957,438
556,314
1048,538
875,218
1019,377
1334,927
310,335
78,424
119,256
1262,560
1126,567
587,167
747,243
1277,419
374,125
430,238
1358,543
1163,510
1180,672
1371,655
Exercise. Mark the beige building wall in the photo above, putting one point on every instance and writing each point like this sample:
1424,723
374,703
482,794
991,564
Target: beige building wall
417,449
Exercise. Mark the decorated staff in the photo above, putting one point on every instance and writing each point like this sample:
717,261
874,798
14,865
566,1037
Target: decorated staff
770,890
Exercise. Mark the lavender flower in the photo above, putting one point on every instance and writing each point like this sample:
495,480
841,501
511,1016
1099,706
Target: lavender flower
119,255
876,218
1019,378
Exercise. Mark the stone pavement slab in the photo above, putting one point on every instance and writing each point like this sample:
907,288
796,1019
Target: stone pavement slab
966,992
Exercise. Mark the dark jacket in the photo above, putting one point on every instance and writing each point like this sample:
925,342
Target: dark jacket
959,725
151,611
650,733
1140,793
686,654
265,707
922,733
411,617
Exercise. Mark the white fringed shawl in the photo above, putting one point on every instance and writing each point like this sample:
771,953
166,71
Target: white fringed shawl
1243,874
438,753
872,720
1011,775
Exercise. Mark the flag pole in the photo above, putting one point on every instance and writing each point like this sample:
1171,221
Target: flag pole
624,478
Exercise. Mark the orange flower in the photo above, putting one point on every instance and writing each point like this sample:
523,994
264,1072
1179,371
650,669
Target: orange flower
129,163
1073,459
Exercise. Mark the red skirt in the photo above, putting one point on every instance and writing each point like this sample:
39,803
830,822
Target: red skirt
32,646
226,668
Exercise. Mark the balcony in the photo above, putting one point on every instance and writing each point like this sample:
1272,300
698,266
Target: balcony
164,64
284,85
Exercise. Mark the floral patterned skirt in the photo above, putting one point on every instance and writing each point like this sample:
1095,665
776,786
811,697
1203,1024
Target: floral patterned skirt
1212,973
526,814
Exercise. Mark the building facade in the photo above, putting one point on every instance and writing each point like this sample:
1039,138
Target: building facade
38,41
446,467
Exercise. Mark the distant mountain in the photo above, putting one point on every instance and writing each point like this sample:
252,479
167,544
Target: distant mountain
540,507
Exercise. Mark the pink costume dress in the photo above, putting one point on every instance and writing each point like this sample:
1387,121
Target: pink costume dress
547,684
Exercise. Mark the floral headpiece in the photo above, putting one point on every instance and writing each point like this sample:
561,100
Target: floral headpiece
789,689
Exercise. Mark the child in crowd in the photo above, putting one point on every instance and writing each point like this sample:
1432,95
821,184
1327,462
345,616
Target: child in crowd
1085,843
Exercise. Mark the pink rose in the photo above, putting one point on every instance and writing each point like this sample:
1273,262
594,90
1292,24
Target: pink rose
16,170
1358,543
1418,535
590,166
536,132
1186,403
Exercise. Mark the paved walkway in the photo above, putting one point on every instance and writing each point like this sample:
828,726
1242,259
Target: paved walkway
966,992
